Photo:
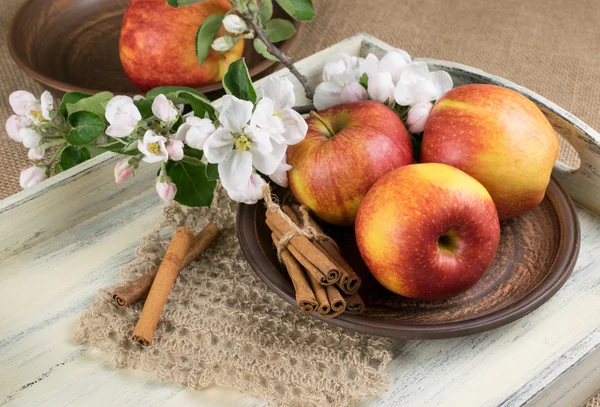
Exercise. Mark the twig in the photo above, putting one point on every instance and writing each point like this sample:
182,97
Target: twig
247,16
304,109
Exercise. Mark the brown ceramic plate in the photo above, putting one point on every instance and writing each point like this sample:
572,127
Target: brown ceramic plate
537,253
73,45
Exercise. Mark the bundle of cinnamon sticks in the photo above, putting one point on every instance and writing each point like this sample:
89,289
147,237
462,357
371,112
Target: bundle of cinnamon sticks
156,285
322,279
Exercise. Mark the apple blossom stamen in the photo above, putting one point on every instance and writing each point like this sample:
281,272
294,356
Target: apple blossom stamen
242,142
154,148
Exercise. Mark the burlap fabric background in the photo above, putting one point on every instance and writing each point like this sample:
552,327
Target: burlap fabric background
549,46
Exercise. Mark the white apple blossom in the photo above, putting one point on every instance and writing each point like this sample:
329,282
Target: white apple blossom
381,88
31,138
293,127
418,85
280,176
164,109
47,104
175,150
153,148
123,170
354,92
223,44
234,24
338,75
32,174
195,131
122,115
237,147
165,188
14,124
251,193
417,116
394,62
37,153
21,101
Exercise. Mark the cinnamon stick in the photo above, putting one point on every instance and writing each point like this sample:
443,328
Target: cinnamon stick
337,302
161,287
354,303
324,308
139,288
349,281
309,266
304,246
304,295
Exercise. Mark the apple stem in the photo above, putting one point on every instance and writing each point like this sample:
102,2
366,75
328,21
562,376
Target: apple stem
322,121
247,17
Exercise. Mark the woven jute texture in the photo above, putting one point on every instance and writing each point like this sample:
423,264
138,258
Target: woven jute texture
221,325
549,46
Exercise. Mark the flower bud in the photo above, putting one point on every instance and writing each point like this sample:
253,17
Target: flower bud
14,124
175,149
32,175
37,153
417,117
31,138
165,188
234,24
164,109
223,44
123,170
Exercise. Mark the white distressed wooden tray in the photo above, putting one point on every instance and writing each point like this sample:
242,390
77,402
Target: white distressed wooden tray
66,238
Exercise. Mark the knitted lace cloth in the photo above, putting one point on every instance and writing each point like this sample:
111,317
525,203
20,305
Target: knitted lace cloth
223,326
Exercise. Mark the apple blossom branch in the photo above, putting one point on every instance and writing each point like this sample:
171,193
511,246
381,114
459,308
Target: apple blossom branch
247,17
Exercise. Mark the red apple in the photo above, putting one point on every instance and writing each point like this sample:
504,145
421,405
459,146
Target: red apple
497,136
343,155
158,44
427,231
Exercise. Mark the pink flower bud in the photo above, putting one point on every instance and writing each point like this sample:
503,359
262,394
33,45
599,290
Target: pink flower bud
31,138
175,149
32,175
37,153
166,189
354,92
122,171
417,116
14,124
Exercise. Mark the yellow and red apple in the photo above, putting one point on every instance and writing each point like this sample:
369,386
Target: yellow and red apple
497,136
427,231
343,155
158,44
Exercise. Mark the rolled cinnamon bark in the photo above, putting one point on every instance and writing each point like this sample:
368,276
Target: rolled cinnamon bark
309,266
161,287
139,288
304,295
337,302
324,308
349,281
305,246
354,303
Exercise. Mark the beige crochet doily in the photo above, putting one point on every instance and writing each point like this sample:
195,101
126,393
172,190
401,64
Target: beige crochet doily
223,326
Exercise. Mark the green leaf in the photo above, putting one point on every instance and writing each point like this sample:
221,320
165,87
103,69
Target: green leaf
57,169
265,11
71,156
207,33
95,104
192,156
182,3
200,106
117,147
173,93
279,29
193,187
261,48
86,127
364,80
70,98
145,107
299,9
237,81
212,172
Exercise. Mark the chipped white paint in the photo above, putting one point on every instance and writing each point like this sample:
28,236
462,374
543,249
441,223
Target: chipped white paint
68,237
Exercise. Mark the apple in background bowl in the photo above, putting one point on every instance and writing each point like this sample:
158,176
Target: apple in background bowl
348,147
427,231
158,44
497,136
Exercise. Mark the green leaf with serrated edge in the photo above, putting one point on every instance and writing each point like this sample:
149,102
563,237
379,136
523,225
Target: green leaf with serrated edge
237,81
172,93
145,107
95,104
71,156
182,3
261,48
200,107
299,9
206,34
212,172
85,127
265,12
364,81
279,29
193,188
70,98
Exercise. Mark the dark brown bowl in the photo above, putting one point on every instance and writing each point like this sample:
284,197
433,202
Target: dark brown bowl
73,45
537,253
